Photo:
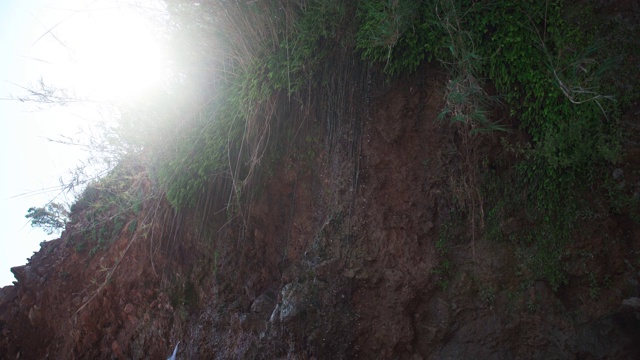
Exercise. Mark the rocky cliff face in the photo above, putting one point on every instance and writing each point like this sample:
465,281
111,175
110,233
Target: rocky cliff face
350,249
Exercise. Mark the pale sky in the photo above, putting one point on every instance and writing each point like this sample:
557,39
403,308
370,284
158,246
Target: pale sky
99,49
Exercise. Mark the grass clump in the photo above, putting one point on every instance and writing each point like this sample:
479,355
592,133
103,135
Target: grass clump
265,54
387,31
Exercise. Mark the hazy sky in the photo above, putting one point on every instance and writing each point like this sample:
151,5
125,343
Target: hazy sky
97,48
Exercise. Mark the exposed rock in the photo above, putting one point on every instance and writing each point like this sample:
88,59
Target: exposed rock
293,302
263,304
618,173
631,304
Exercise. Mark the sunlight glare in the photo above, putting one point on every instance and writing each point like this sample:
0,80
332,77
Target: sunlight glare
119,59
115,55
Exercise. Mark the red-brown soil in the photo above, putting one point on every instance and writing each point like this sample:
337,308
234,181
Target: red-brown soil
334,257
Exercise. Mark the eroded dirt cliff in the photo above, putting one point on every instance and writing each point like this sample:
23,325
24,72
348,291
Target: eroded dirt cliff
352,247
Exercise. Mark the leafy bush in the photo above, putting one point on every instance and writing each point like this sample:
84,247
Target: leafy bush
50,218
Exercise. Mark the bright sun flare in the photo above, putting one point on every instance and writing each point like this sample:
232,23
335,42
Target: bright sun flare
115,56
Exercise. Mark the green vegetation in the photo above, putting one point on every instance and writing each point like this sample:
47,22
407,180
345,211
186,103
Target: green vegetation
487,294
551,69
551,74
547,70
386,33
51,218
267,50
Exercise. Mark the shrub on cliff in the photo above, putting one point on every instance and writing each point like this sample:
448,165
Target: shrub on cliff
51,218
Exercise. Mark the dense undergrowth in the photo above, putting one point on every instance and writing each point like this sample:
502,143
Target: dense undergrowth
549,69
552,66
